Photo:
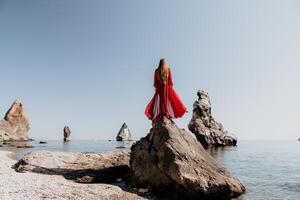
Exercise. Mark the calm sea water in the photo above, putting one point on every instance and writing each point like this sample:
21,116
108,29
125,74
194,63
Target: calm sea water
268,169
71,146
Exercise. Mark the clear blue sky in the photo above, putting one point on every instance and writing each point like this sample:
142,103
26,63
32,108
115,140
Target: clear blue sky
89,64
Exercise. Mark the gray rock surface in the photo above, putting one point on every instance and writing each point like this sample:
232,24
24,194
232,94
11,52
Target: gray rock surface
15,125
208,132
67,133
124,133
36,186
93,167
171,161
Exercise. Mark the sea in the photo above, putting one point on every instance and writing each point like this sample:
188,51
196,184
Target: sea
268,169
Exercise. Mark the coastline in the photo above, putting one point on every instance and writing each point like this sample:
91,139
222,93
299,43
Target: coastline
11,152
14,185
59,145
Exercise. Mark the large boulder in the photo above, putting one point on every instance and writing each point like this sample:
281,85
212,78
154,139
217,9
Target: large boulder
124,133
170,161
79,166
207,130
67,133
15,125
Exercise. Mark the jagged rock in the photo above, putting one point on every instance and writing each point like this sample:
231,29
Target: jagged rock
82,167
169,160
208,131
124,133
67,133
15,125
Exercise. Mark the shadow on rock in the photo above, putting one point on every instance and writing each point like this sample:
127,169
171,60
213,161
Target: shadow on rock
84,167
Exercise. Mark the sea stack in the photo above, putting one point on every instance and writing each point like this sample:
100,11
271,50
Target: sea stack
208,132
67,133
15,125
124,133
170,161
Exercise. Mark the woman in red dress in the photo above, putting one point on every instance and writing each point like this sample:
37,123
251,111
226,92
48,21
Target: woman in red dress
165,101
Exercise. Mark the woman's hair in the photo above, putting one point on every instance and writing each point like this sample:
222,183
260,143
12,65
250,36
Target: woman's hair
164,69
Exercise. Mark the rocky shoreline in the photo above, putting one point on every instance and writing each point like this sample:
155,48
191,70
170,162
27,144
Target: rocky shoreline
34,186
168,163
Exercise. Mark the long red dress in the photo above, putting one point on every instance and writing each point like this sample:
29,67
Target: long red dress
165,101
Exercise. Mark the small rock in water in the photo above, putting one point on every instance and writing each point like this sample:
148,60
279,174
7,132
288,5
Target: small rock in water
43,142
67,133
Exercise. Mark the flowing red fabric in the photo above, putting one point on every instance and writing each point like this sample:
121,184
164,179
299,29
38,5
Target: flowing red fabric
165,101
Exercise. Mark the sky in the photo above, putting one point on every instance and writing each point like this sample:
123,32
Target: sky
89,64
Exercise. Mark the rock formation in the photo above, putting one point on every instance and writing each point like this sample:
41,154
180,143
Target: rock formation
169,160
124,133
67,133
15,125
83,167
208,131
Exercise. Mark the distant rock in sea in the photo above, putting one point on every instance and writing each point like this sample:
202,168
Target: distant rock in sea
15,125
124,133
81,167
208,132
67,133
170,161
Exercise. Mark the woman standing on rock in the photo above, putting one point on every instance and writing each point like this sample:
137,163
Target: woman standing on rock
165,101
